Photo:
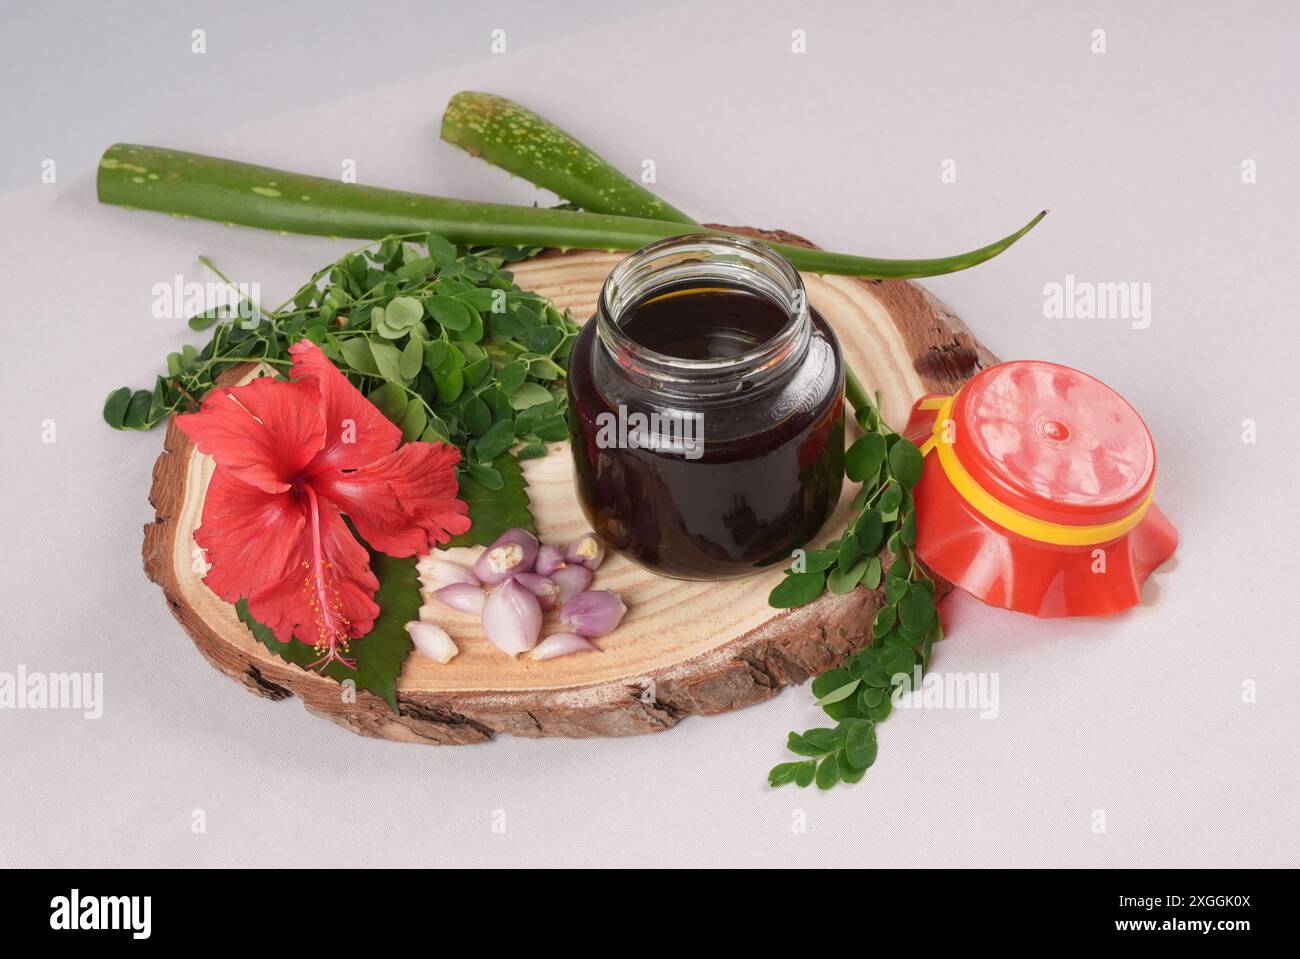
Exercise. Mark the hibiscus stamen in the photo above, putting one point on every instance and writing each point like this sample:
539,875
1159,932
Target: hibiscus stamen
323,597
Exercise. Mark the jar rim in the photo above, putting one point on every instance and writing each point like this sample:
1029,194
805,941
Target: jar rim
741,262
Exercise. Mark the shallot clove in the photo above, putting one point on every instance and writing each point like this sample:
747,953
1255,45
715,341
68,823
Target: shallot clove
562,644
594,613
462,597
547,593
549,559
514,552
586,551
432,641
512,618
570,580
443,572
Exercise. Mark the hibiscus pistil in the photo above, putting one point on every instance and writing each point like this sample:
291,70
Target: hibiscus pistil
323,597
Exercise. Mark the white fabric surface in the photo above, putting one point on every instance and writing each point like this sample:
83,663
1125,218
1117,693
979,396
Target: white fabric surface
1136,151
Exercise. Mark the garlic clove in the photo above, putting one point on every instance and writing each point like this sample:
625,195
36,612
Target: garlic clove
432,641
594,613
512,618
562,644
461,597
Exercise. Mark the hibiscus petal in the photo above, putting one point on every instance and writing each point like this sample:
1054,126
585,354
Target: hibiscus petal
264,432
403,503
292,606
251,537
356,433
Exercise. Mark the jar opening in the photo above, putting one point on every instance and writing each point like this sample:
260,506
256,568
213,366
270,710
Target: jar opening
762,322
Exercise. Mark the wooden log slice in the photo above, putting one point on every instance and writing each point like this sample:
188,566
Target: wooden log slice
684,648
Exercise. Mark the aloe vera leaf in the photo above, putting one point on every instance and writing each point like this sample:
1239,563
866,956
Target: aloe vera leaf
519,141
189,184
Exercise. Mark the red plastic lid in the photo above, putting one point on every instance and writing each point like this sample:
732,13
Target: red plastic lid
1036,492
1053,443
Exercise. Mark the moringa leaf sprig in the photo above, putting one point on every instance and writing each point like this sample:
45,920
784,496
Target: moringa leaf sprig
860,693
437,336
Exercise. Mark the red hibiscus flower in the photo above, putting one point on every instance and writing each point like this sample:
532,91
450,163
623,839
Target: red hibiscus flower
292,458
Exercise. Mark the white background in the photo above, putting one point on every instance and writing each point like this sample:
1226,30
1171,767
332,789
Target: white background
1138,154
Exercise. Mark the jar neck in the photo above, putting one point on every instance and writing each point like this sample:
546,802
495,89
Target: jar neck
706,260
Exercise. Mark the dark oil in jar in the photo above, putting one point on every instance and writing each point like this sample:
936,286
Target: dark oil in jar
771,465
701,323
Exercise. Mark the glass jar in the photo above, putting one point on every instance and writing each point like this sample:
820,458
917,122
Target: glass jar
706,409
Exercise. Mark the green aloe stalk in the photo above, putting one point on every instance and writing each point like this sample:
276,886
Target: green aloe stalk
189,184
519,141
